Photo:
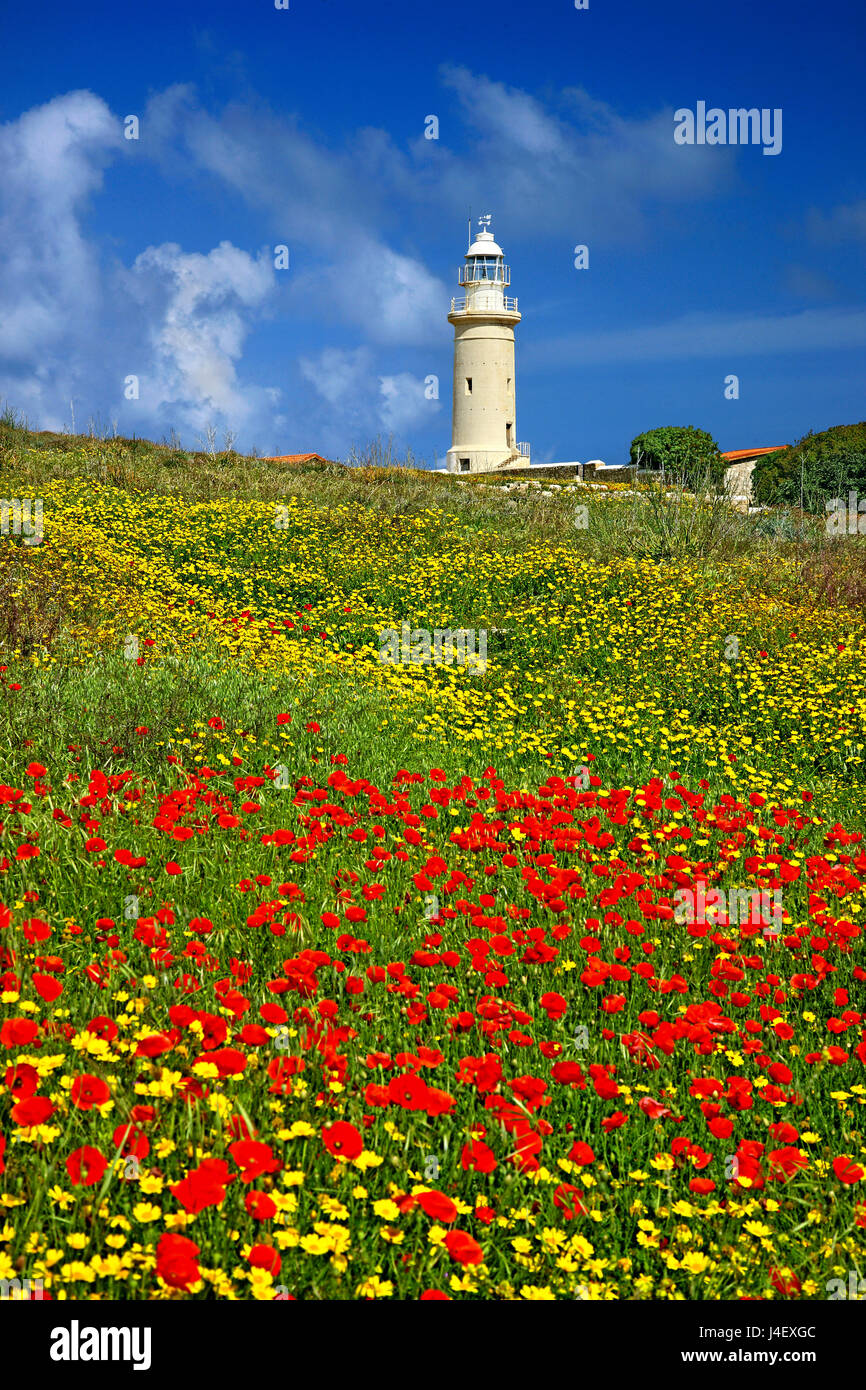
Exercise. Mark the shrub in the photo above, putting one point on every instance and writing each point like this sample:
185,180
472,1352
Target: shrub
682,452
816,469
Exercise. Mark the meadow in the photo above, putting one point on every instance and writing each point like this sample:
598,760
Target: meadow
327,978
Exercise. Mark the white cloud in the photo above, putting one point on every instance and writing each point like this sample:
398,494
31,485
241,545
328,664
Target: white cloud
361,402
405,403
73,327
51,160
391,298
198,310
549,173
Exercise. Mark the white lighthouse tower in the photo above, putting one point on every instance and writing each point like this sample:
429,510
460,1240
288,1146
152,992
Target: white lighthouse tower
484,424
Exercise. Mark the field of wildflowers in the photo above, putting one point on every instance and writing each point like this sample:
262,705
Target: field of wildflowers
323,977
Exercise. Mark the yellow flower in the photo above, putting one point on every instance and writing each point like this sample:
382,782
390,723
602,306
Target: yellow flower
386,1210
757,1228
146,1212
301,1130
315,1245
109,1267
374,1287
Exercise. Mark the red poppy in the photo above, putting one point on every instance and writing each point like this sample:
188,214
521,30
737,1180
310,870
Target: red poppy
568,1198
581,1153
260,1206
228,1060
35,1110
614,1121
846,1170
176,1262
408,1091
88,1091
204,1186
47,987
102,1027
478,1156
463,1248
265,1257
569,1074
253,1159
437,1206
22,1080
701,1186
342,1140
784,1163
18,1032
785,1282
85,1167
779,1072
554,1006
439,1102
131,1141
154,1045
143,1114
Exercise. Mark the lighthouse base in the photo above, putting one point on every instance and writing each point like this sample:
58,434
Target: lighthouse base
484,460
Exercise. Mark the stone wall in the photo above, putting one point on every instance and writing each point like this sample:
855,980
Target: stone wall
553,472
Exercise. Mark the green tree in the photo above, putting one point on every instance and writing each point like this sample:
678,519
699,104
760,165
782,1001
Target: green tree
814,470
682,452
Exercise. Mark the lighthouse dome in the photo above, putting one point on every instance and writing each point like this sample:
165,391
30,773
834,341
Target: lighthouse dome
484,245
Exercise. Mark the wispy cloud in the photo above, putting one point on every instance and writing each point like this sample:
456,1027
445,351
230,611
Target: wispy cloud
705,335
846,222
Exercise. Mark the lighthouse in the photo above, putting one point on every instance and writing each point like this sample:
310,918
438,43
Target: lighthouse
483,422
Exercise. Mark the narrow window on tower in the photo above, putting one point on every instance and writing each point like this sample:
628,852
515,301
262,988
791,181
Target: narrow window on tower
469,386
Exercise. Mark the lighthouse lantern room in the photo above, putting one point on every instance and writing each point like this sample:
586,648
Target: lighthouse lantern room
484,423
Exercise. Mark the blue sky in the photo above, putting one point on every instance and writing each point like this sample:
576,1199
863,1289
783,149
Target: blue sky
304,127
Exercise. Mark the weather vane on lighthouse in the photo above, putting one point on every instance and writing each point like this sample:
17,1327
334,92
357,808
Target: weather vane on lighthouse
483,425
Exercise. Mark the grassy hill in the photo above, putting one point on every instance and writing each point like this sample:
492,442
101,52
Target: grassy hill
331,977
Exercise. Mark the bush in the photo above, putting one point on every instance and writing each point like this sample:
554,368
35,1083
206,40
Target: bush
684,453
816,469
